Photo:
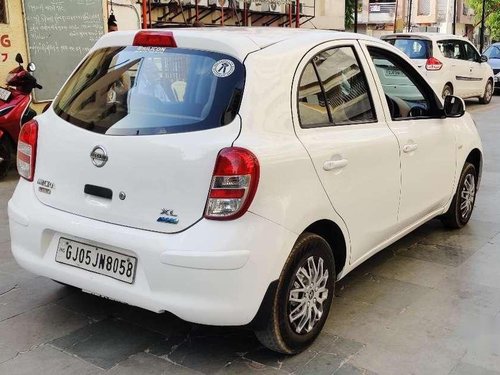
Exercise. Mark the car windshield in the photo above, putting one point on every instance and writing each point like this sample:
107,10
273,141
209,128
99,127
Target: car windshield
151,90
493,52
413,48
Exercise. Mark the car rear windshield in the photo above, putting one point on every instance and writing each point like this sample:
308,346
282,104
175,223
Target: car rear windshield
152,90
413,48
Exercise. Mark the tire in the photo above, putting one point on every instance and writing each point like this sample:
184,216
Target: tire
447,90
488,93
280,333
5,157
459,213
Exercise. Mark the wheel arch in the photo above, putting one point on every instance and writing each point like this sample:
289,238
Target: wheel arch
332,233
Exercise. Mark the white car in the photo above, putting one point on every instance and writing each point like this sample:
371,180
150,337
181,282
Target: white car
232,176
451,64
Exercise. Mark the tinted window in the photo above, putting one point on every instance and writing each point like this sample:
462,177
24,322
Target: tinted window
343,95
452,49
404,97
493,52
137,90
312,105
470,52
413,48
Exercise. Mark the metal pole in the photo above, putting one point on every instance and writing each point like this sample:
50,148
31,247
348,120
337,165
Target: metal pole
144,14
297,14
481,34
409,15
395,17
356,16
454,17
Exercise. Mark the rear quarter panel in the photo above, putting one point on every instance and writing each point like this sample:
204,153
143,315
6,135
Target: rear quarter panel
289,192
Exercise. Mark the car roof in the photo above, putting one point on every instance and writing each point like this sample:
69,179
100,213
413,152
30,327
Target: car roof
428,36
238,41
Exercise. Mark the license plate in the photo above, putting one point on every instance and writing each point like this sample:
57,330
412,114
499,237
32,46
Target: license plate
4,94
95,259
392,72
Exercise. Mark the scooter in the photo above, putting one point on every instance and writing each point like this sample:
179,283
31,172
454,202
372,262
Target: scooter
15,110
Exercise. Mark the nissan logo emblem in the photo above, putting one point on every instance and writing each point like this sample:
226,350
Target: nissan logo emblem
99,156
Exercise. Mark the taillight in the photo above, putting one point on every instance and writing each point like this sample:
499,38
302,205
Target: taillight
154,39
26,150
433,64
234,183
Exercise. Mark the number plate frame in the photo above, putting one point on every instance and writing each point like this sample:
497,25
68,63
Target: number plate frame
96,254
4,94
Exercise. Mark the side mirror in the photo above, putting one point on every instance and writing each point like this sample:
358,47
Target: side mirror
483,58
31,67
19,58
453,106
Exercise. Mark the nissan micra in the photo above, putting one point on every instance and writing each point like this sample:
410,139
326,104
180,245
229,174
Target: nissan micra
232,176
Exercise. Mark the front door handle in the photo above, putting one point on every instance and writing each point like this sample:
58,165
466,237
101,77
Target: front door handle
330,165
410,147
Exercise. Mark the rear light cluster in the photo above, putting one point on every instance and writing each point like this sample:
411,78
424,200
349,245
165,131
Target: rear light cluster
234,183
26,150
154,39
433,64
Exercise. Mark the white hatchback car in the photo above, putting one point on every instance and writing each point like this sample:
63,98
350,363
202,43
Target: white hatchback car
232,176
450,63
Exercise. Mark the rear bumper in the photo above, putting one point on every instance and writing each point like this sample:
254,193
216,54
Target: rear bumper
212,273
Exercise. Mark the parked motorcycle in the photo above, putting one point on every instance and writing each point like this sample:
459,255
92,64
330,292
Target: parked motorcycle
15,110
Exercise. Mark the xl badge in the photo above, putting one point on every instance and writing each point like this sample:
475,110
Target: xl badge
168,216
99,156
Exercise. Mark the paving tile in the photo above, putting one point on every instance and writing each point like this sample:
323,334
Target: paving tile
209,349
95,307
377,359
30,294
482,340
47,360
106,343
360,321
241,366
147,364
412,270
349,369
447,255
166,324
38,326
463,368
381,291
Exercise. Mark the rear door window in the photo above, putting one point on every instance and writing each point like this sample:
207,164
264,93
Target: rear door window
142,91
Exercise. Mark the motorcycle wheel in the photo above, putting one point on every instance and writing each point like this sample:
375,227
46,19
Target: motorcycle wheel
5,158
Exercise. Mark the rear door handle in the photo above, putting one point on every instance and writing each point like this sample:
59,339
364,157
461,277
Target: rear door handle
330,165
410,147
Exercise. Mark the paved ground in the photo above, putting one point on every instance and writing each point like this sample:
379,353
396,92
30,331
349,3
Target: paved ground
429,304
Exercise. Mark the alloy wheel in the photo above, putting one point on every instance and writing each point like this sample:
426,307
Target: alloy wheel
467,196
307,295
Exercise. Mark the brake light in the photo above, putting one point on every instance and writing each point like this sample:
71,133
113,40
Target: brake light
433,64
26,150
234,183
154,39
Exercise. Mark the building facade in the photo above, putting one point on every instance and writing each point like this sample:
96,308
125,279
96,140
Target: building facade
379,17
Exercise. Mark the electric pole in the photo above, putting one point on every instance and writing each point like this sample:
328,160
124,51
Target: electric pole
454,16
356,16
481,32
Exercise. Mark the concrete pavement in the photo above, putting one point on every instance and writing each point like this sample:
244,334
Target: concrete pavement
429,304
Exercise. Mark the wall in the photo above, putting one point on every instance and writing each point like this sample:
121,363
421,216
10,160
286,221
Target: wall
126,17
12,38
329,15
13,41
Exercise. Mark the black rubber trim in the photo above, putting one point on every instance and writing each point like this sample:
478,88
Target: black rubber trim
261,319
98,191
